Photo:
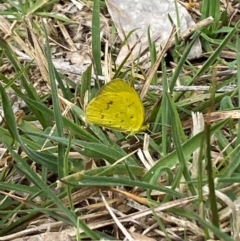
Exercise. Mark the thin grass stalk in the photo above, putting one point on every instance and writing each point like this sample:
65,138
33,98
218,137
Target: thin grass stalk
210,173
200,184
62,171
160,107
153,55
85,83
120,68
161,224
238,84
165,112
181,62
96,37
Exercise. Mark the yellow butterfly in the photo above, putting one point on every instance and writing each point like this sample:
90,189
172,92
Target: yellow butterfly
117,106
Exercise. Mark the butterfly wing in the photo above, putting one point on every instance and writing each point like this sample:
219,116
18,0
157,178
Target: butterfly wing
117,106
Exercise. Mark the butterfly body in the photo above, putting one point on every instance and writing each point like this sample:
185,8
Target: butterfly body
117,106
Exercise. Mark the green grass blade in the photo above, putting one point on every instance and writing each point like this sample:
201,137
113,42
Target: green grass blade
96,41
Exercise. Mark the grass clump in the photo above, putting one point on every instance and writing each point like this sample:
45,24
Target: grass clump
177,180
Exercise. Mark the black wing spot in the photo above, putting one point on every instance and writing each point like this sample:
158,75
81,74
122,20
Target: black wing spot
122,121
131,117
102,116
130,104
109,103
